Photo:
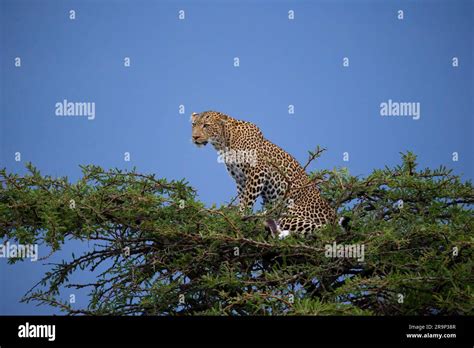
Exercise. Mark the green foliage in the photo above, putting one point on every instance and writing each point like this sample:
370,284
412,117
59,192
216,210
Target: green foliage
161,251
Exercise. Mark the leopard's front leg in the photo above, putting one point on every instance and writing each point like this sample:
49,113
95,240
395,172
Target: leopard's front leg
252,189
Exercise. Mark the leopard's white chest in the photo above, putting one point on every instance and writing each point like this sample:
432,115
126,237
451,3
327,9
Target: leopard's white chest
237,172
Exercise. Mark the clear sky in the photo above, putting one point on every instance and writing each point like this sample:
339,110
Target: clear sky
190,62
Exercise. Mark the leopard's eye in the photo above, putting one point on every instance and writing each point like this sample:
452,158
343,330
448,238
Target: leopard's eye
205,125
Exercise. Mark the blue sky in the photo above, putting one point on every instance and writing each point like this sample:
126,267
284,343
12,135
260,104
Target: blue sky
191,62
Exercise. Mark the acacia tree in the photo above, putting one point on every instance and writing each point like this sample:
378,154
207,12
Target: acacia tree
161,251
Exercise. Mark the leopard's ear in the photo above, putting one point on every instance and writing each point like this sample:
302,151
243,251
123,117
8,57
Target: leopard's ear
193,117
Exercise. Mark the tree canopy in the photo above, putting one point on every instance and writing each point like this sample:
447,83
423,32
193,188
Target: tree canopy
161,251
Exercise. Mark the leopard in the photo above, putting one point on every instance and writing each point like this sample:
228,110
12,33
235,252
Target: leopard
262,169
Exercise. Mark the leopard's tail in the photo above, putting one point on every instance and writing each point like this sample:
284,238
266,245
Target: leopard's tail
344,223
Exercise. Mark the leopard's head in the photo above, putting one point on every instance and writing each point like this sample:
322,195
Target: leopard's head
208,126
